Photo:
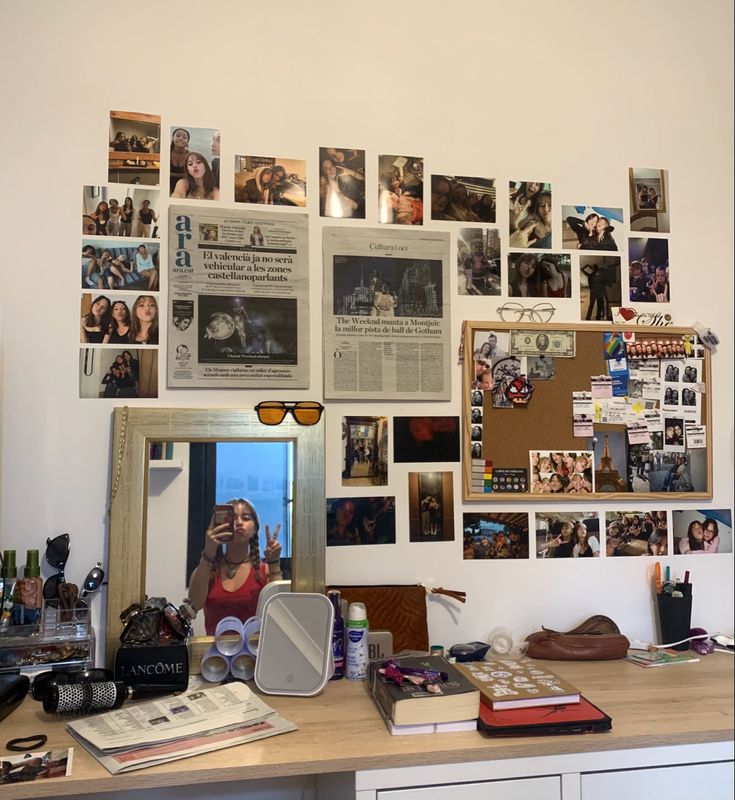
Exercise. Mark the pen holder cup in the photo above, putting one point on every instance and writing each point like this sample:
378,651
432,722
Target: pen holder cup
675,618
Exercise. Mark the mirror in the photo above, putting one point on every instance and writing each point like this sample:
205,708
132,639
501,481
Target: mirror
185,482
138,535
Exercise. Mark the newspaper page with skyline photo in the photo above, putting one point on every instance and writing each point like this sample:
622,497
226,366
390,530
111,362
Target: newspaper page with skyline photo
386,314
238,299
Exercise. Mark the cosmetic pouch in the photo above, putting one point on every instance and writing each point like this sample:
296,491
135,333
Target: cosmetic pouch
400,609
596,639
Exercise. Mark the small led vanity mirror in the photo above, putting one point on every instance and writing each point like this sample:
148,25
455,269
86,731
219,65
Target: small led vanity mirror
295,647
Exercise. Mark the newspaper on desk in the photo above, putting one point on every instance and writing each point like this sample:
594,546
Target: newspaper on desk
178,726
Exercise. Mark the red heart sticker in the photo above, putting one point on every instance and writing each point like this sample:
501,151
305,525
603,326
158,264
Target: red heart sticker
627,314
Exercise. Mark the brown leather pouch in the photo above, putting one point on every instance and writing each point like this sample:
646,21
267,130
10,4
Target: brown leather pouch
596,639
398,609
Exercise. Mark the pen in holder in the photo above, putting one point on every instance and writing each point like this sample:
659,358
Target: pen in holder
675,616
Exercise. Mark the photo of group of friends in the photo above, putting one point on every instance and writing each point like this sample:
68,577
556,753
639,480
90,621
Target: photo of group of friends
458,199
122,319
194,163
587,534
567,535
648,199
400,190
134,148
547,275
530,217
364,451
430,507
600,290
487,535
120,211
361,521
113,265
119,321
590,227
341,183
268,180
648,279
478,261
562,472
702,532
110,372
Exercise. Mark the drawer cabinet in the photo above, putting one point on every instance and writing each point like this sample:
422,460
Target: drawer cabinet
520,789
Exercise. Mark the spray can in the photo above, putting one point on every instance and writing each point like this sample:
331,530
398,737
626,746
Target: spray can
338,636
357,647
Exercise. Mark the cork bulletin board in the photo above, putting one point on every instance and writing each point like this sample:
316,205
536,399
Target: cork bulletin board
545,423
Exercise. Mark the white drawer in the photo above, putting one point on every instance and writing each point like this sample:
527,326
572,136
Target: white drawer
521,789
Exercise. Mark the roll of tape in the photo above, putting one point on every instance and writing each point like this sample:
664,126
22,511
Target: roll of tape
250,628
215,667
501,641
242,665
224,641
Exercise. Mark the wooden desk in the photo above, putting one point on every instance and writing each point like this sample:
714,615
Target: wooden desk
340,732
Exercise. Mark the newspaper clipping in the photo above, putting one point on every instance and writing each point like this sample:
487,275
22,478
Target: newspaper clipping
386,314
238,288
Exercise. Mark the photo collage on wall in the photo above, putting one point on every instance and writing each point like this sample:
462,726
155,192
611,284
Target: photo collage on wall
652,389
120,275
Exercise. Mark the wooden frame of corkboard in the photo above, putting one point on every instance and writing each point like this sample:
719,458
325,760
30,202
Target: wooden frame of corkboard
546,422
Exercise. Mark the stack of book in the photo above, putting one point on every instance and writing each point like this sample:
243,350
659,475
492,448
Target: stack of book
521,697
408,708
660,658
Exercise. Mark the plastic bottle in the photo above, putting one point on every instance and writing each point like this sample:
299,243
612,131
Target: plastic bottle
338,636
357,647
9,578
30,589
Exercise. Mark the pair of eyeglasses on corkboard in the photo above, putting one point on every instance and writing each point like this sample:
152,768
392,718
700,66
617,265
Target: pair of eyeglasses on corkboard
305,412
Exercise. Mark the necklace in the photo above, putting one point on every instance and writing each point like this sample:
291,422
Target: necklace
231,568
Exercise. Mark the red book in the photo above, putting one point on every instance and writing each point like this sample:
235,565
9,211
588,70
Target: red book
581,717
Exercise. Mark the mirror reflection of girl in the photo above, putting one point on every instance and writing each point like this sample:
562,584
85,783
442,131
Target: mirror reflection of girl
230,574
144,323
96,322
198,183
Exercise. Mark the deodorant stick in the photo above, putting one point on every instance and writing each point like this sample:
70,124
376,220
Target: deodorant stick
357,647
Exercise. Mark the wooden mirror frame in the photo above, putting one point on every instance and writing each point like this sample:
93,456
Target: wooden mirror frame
133,431
471,327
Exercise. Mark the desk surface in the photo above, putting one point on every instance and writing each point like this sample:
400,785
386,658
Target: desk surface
341,731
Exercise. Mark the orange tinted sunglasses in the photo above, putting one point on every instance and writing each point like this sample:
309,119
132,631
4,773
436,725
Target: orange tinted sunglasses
305,412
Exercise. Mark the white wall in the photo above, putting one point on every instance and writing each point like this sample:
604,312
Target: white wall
560,91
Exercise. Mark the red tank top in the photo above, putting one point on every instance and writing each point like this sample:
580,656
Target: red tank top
241,603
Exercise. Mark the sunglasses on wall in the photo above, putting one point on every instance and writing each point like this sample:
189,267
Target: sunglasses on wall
57,554
305,412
